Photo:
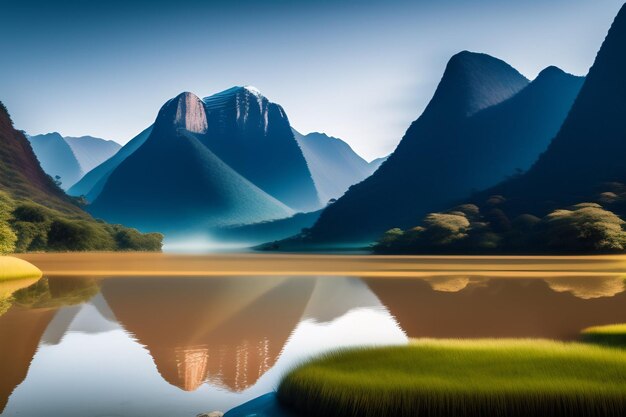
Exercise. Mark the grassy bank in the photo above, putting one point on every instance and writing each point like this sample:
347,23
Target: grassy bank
14,268
462,378
611,335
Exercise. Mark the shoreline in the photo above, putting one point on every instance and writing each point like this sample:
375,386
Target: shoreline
135,264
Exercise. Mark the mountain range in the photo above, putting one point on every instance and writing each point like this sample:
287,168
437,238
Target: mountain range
21,176
71,157
35,213
485,122
586,156
229,159
92,183
333,164
175,182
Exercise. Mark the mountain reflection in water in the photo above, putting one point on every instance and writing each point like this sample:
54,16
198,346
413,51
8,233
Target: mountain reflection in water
178,346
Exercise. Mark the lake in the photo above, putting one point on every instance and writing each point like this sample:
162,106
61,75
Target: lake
175,335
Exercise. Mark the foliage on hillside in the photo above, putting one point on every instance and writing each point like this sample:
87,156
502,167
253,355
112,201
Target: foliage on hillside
28,226
582,228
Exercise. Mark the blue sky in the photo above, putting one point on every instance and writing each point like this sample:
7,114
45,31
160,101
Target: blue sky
358,70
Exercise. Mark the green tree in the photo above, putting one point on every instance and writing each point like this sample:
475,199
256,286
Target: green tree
585,227
444,228
7,238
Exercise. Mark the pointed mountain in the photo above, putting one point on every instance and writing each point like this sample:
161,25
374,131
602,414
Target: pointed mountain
423,173
472,82
57,158
20,173
333,164
175,182
91,151
91,184
253,136
590,147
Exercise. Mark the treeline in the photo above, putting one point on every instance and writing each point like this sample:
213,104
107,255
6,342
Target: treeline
30,227
470,229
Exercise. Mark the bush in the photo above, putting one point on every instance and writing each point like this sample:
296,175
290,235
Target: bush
31,236
132,239
442,229
7,238
29,212
585,227
78,235
582,228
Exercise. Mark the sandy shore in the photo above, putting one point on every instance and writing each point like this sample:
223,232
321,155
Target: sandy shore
158,264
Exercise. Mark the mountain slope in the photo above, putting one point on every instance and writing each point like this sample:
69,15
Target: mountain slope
57,158
20,173
91,151
509,137
590,147
174,182
333,164
376,163
91,184
416,178
253,136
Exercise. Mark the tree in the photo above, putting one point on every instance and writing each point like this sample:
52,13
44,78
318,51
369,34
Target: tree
585,227
444,228
7,238
389,238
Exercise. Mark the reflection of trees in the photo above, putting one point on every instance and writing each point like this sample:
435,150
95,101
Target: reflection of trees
588,287
57,292
496,308
7,288
453,283
228,331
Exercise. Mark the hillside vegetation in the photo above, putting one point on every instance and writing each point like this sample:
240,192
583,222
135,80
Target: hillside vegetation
36,215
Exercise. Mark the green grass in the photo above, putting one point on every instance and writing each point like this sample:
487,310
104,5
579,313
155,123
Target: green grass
14,268
462,378
611,335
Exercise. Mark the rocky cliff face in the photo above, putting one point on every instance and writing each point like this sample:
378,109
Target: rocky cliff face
253,136
176,184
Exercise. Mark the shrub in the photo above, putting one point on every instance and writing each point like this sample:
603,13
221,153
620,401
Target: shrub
29,212
132,239
78,235
585,227
443,229
7,238
31,236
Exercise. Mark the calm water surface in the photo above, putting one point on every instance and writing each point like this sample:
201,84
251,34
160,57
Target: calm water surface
176,346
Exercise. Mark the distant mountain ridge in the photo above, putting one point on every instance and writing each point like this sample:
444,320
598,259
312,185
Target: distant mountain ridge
91,151
333,164
70,157
20,173
92,183
464,140
57,158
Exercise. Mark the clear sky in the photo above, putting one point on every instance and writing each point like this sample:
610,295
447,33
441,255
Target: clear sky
358,70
